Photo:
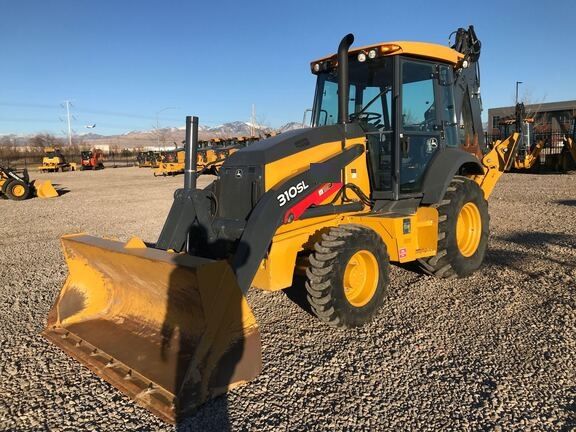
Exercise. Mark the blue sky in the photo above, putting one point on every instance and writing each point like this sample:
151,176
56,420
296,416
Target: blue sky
120,62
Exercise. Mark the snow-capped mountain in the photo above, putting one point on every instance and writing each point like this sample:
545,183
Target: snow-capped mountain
168,135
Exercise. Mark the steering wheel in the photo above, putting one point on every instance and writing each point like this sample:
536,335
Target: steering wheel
366,116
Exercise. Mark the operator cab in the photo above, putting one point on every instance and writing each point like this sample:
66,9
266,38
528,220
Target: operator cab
402,102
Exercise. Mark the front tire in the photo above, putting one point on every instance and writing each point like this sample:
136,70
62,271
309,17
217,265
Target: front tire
348,276
17,190
463,229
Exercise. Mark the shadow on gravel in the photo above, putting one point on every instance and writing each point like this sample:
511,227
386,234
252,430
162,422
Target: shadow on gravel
297,294
192,371
412,267
60,190
570,203
539,239
212,416
210,342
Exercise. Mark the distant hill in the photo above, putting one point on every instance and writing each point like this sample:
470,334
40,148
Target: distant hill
290,126
165,137
169,136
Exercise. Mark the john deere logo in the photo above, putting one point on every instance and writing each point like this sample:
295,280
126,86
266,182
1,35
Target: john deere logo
238,173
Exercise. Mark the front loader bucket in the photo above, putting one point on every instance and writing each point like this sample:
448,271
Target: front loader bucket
169,330
44,189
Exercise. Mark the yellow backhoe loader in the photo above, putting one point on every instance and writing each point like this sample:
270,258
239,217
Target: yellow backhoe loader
379,177
17,186
528,154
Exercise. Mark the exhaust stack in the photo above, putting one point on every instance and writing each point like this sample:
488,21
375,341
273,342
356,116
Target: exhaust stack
343,81
190,152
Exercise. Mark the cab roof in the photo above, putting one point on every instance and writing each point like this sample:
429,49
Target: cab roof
418,49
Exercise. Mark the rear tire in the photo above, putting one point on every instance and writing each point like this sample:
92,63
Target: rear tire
463,229
348,276
17,190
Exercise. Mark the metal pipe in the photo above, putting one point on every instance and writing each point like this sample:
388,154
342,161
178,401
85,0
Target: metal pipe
190,152
343,81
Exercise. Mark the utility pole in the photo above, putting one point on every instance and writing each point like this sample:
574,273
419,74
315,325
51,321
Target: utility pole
67,105
158,125
517,83
253,121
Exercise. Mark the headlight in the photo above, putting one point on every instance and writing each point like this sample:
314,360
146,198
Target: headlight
317,67
361,57
372,53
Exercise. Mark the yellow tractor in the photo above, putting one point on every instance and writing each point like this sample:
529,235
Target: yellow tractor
54,161
17,186
379,177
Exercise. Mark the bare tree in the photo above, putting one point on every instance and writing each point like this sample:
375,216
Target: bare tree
40,141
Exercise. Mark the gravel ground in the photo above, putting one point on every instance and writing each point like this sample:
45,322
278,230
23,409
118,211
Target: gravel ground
496,351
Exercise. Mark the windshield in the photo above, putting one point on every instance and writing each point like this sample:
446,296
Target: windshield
370,94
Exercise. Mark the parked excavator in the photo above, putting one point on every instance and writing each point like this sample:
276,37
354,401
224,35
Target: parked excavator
384,174
16,185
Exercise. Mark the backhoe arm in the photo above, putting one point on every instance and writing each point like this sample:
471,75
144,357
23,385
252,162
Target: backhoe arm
468,101
495,162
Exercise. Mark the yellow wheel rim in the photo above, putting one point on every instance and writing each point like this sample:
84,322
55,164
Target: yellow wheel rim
18,190
361,278
468,229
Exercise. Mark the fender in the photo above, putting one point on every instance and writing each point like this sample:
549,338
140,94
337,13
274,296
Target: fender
442,169
268,215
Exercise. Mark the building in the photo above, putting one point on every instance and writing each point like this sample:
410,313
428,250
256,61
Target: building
548,117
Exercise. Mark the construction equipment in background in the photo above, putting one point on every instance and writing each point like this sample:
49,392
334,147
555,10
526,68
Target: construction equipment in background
568,153
529,149
54,161
390,181
172,164
142,160
149,159
211,156
17,186
530,145
91,160
155,158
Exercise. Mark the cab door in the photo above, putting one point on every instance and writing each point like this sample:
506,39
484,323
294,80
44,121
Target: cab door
420,130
